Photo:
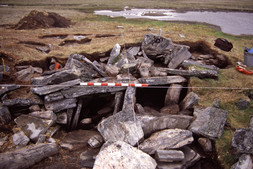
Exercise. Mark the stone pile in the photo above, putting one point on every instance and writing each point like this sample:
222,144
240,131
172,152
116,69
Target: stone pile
131,135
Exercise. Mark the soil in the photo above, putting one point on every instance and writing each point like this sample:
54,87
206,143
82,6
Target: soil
36,19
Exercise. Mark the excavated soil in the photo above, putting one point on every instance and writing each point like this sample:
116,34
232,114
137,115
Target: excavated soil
36,19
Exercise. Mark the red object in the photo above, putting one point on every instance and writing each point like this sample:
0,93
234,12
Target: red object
57,66
243,70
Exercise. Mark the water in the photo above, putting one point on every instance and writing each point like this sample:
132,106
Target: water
236,23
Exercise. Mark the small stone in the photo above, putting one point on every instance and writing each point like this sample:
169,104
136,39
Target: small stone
62,118
5,115
216,103
96,141
206,144
86,121
111,70
20,138
87,158
189,101
169,155
34,108
41,139
242,104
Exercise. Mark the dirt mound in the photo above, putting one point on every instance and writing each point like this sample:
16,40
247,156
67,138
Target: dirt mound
36,19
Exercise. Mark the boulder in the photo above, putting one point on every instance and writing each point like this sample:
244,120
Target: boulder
33,126
162,80
60,105
189,101
28,73
120,155
245,162
133,50
153,123
144,69
166,139
169,155
178,57
243,141
27,156
5,115
121,126
49,115
209,122
242,104
77,139
19,138
53,97
173,94
111,70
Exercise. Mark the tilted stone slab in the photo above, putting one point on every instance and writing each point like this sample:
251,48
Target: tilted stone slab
189,101
27,156
153,123
78,91
179,57
44,90
209,122
197,73
166,139
162,80
33,126
169,155
121,155
121,126
129,99
22,102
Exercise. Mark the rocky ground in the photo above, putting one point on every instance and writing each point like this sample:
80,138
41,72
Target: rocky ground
55,122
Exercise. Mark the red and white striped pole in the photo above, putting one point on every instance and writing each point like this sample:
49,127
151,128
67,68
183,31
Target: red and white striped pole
114,84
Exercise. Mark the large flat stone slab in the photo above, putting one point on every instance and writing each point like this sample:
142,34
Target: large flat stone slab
162,80
166,139
209,122
243,140
121,155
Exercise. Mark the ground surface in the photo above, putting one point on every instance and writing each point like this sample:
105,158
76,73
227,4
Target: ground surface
18,46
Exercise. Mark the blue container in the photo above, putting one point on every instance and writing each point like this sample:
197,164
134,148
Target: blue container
248,59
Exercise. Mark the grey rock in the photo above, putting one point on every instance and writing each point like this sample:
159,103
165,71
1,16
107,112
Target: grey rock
206,144
49,115
166,139
5,115
133,50
162,80
86,121
33,126
129,99
41,139
242,104
96,141
178,57
121,126
27,156
78,91
118,99
111,70
122,155
28,73
77,139
139,109
44,90
104,110
149,110
173,94
245,162
3,140
169,155
189,63
52,130
22,102
189,101
69,117
209,122
251,123
77,114
53,97
129,68
170,109
155,71
56,78
87,158
62,118
19,138
7,88
114,55
191,157
243,140
34,108
144,69
196,73
57,106
216,103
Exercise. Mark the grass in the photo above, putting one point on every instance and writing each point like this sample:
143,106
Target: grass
133,32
